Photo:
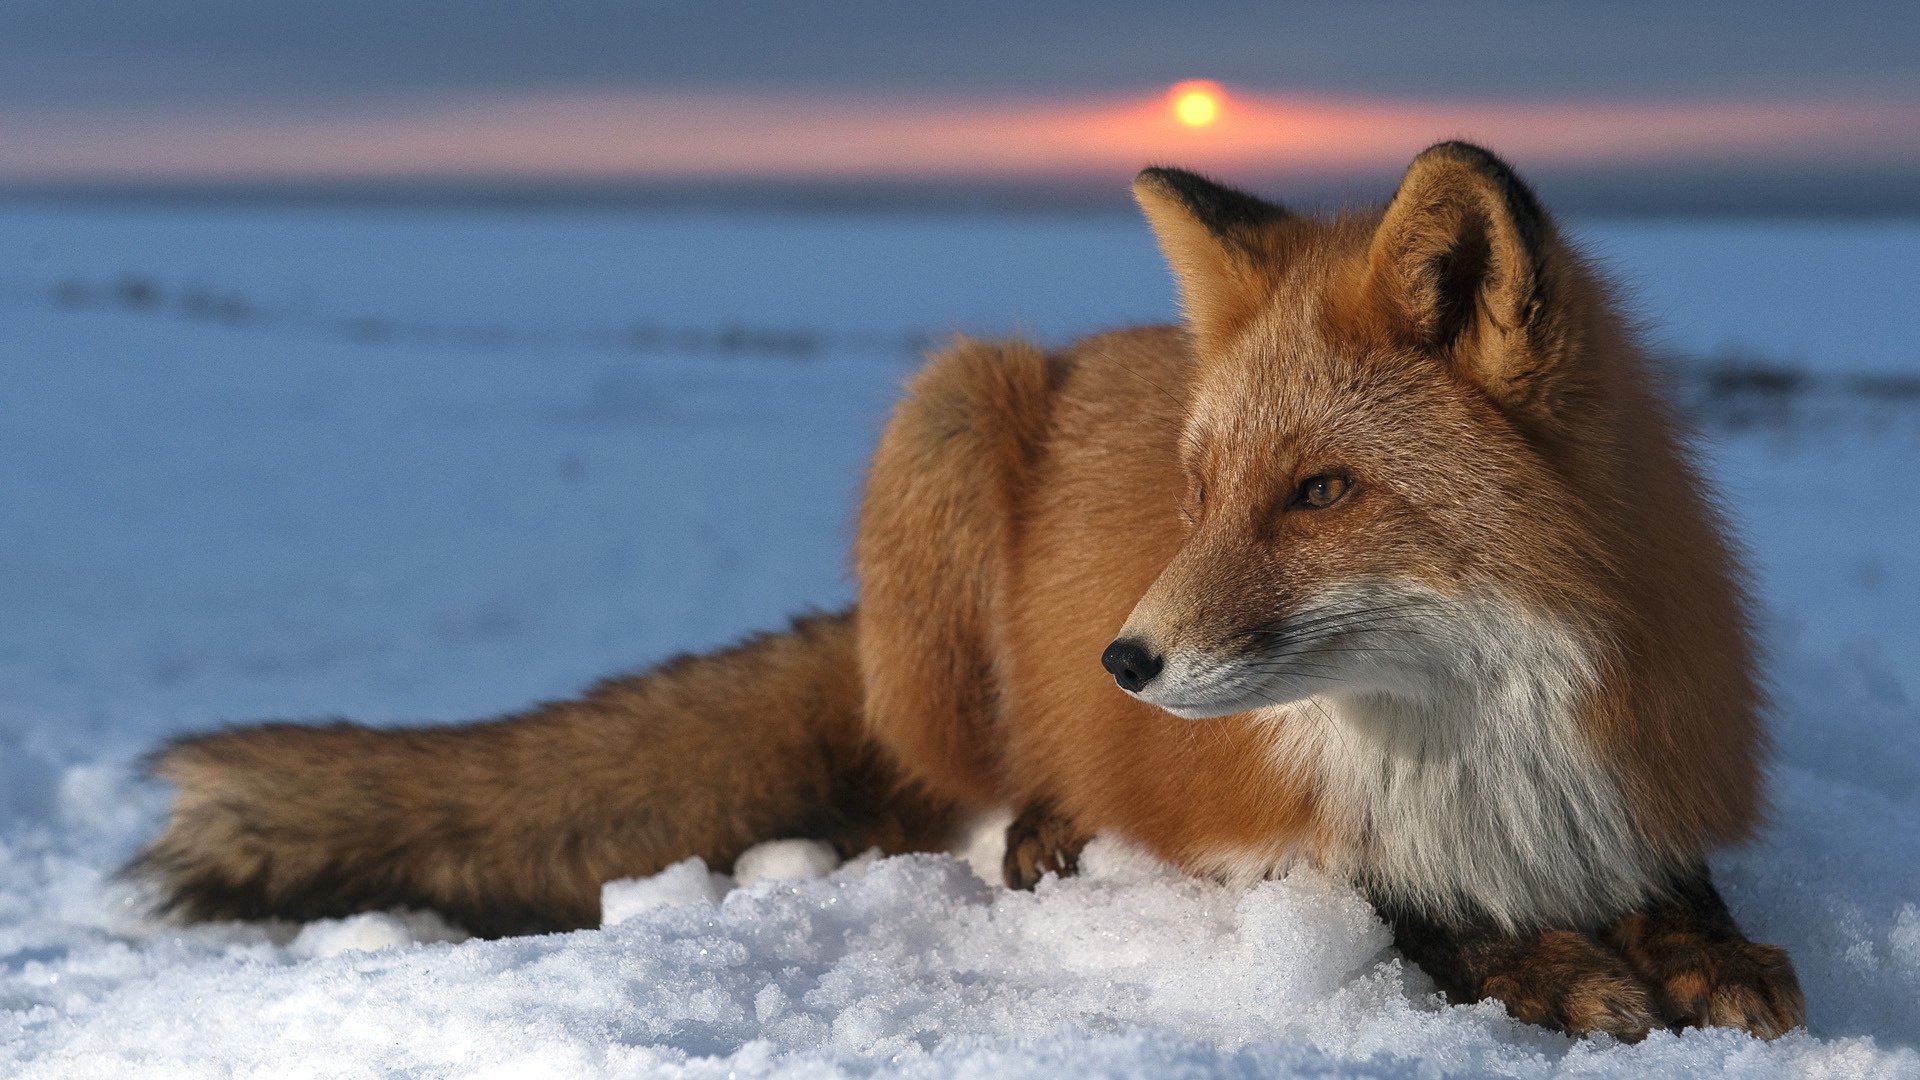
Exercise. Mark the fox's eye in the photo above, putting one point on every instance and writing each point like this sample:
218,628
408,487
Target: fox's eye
1322,490
1191,512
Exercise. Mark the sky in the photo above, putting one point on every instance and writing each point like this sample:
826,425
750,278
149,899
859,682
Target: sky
1741,105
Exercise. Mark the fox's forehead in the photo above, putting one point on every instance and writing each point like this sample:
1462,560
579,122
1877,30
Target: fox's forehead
1292,383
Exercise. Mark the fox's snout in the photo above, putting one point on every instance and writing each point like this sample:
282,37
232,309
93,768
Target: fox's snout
1396,637
1190,682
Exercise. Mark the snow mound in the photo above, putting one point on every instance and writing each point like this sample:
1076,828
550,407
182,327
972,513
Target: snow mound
690,882
906,966
686,882
784,860
371,932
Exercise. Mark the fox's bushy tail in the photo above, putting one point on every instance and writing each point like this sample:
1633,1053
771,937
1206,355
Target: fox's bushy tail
512,825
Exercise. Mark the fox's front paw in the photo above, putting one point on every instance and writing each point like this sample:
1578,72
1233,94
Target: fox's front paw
1740,984
1707,980
1039,841
1567,980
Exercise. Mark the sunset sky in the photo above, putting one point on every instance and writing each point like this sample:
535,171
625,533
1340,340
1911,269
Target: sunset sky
1804,102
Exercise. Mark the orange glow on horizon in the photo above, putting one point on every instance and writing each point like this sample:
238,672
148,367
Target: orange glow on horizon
1196,102
696,135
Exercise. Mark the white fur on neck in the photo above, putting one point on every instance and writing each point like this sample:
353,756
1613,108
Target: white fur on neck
1463,780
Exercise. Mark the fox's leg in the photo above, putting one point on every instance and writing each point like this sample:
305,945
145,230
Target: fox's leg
1556,978
942,502
1707,972
511,826
1041,840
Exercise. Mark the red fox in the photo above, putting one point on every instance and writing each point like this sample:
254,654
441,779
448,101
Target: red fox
1389,559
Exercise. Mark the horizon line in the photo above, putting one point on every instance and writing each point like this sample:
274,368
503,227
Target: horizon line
1628,193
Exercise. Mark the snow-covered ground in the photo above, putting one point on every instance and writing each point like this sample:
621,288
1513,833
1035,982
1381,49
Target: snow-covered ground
435,465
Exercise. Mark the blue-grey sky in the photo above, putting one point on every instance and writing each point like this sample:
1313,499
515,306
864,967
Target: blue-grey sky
55,51
1818,96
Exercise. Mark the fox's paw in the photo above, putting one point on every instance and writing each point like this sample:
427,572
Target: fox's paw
1709,981
1040,840
1742,984
1570,981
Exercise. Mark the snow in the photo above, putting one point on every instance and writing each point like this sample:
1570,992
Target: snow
688,882
785,860
429,464
371,932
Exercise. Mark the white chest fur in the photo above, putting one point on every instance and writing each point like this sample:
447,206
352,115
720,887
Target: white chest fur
1465,781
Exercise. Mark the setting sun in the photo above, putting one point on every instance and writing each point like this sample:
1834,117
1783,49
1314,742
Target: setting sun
1196,102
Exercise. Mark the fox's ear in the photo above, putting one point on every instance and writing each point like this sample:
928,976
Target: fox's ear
1219,243
1466,263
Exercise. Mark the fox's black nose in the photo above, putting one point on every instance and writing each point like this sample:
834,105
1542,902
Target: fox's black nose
1133,666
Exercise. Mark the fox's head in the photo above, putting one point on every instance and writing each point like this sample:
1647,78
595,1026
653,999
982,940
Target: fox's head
1391,446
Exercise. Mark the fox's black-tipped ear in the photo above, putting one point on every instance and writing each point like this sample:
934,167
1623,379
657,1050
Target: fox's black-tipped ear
1469,265
1219,242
